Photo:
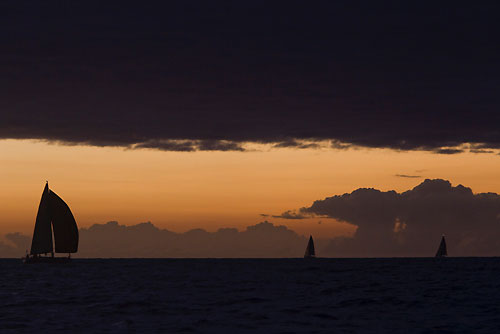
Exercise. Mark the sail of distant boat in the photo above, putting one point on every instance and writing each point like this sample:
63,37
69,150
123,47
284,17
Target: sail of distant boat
310,248
54,215
442,251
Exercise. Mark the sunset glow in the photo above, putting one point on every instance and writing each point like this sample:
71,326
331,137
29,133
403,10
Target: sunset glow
180,191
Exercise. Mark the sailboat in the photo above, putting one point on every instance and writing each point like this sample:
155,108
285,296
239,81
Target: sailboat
53,215
310,253
442,251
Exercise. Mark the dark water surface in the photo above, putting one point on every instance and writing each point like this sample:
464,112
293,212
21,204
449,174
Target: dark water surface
453,295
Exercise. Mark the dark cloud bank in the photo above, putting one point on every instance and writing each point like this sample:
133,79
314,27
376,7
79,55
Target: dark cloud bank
210,75
389,224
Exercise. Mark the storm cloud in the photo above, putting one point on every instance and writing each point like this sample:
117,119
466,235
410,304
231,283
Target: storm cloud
411,223
198,75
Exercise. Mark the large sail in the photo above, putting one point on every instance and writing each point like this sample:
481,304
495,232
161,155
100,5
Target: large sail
42,235
310,248
65,229
442,251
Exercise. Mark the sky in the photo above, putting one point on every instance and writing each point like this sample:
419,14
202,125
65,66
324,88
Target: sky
227,114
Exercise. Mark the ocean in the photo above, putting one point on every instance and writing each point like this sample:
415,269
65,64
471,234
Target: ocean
399,295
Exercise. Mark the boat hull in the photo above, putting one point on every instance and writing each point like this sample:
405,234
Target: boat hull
30,259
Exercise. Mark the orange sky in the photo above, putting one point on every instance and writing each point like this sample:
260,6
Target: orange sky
184,190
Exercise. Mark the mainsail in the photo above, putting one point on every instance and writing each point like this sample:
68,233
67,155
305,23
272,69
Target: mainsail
310,248
42,235
442,251
54,213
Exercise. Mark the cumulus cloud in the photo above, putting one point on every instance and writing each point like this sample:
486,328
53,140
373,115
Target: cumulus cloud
388,224
18,240
146,240
15,245
411,223
7,250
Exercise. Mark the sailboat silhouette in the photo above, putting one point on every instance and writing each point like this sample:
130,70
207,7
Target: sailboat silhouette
53,214
310,249
442,251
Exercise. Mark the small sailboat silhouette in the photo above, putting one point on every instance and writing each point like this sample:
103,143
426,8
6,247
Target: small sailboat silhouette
442,251
53,215
310,249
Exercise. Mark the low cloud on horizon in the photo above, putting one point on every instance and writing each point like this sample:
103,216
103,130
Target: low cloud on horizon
388,224
411,223
144,240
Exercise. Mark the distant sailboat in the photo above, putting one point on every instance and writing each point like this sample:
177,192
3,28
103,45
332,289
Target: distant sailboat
310,249
53,213
442,251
